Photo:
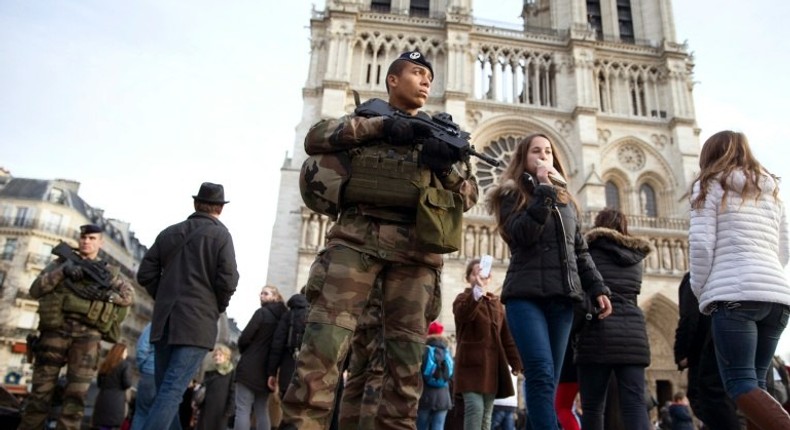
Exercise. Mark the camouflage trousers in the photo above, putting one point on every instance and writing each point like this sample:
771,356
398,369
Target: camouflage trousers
362,391
338,288
76,346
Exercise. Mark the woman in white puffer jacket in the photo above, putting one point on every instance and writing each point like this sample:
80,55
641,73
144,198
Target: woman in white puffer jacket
739,248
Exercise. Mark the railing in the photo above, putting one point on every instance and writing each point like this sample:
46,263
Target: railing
39,224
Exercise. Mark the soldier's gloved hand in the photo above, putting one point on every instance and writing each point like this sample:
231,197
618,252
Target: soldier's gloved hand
95,292
438,156
398,130
73,271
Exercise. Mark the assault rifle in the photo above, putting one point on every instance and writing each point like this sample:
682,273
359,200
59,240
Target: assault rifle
94,271
441,126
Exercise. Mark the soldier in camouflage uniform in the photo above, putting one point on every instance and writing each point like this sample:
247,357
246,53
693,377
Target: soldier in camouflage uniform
367,242
75,313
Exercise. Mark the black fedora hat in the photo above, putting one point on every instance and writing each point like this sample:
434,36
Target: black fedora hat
211,193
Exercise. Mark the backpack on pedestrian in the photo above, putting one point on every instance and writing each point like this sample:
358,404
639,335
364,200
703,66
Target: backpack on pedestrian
437,366
296,326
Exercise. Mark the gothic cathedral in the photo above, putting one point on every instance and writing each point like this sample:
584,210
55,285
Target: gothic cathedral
604,79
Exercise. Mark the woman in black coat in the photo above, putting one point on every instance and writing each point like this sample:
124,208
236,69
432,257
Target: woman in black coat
255,342
218,404
617,344
115,377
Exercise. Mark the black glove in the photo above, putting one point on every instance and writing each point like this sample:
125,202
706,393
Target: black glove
402,131
73,271
438,156
95,292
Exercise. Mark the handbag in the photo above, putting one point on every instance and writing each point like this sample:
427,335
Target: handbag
439,220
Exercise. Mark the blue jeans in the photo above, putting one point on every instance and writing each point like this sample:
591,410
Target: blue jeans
502,418
541,329
593,385
248,401
175,367
146,391
745,335
477,410
430,420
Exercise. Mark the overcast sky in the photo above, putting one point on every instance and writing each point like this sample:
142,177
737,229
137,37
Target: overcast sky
142,101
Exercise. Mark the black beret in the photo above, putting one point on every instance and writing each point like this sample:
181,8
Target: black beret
90,228
417,58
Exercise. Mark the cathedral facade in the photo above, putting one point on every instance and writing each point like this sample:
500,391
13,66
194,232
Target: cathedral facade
606,80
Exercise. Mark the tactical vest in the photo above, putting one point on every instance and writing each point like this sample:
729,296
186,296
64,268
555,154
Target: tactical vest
384,176
62,303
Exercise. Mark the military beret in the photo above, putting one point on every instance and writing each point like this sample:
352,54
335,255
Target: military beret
90,228
417,58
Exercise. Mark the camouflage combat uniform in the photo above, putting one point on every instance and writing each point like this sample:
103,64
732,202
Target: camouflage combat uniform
367,242
71,328
366,367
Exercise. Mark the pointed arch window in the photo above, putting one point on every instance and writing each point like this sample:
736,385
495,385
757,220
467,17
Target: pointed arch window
612,195
647,201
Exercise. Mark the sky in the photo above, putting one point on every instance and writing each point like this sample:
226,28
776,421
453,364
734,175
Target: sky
142,101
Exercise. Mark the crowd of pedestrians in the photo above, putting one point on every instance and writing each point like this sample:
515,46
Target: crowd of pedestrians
360,346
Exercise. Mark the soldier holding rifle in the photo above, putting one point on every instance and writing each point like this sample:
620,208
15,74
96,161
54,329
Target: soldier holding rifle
82,300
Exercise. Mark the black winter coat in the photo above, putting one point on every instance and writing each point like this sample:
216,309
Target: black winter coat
281,356
549,258
192,285
109,409
436,398
220,402
255,344
620,338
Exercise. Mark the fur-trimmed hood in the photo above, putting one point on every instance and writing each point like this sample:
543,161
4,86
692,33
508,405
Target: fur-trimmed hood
629,249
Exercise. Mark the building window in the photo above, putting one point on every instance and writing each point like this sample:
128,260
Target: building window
647,201
594,17
9,249
380,6
420,8
56,196
625,21
2,280
637,89
612,195
21,216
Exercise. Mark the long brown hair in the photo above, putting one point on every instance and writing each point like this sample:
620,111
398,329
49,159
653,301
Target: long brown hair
114,357
514,173
613,219
723,153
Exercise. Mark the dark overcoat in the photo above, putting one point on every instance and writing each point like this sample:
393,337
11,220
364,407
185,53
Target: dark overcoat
621,338
191,284
109,409
485,348
255,344
219,404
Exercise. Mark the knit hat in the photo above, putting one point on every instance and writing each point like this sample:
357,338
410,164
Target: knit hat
435,328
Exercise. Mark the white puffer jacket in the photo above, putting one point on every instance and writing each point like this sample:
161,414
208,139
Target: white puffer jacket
738,252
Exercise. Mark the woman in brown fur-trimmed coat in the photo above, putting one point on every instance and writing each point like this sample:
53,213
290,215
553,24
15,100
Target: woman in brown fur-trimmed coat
486,352
617,344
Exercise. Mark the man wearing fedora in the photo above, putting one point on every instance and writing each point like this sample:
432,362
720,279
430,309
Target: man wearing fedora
190,271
